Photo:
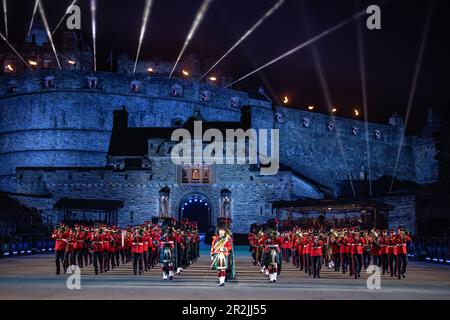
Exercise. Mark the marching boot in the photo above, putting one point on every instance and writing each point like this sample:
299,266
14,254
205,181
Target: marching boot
170,275
267,272
262,270
179,270
164,276
221,281
275,277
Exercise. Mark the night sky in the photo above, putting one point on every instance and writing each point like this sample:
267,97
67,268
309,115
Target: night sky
390,53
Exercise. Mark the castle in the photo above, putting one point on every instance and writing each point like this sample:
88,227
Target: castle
82,145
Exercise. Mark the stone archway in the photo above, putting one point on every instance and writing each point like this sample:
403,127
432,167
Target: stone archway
197,207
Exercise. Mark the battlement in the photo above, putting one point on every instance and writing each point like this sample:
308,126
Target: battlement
141,85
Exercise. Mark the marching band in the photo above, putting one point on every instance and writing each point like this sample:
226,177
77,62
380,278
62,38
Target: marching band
347,249
175,245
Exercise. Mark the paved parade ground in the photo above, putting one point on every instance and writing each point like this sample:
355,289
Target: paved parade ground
32,277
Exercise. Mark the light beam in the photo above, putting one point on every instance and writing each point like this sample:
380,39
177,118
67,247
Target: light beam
14,50
49,35
413,88
362,68
301,46
32,19
94,30
5,14
65,14
247,34
147,9
198,19
327,96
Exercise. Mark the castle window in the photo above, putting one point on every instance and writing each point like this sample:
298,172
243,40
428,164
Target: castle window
135,86
195,174
92,82
49,82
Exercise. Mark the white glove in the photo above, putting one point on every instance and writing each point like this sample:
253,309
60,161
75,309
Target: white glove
212,258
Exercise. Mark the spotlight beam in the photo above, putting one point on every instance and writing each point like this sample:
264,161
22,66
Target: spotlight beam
65,14
247,34
413,88
32,18
362,64
198,19
5,14
301,46
49,35
94,30
14,49
326,92
147,9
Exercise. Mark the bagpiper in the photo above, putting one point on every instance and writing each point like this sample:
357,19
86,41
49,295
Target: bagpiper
221,252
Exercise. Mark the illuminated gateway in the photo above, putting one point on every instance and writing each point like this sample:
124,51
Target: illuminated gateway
87,146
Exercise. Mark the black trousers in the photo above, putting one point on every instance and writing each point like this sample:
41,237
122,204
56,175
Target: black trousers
307,261
336,257
316,265
137,259
357,262
59,259
392,264
344,262
385,262
376,261
402,262
98,261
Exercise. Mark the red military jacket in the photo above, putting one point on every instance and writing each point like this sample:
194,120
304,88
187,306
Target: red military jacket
392,245
306,246
79,240
71,241
227,245
359,246
138,245
60,237
401,244
106,238
375,248
342,245
335,248
316,248
350,244
97,243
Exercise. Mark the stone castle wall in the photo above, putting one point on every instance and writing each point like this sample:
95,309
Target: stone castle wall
139,191
70,125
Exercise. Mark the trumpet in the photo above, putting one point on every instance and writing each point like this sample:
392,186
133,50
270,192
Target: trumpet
373,233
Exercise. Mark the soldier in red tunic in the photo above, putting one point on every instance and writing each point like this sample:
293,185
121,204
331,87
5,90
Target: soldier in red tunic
97,249
60,237
316,254
402,240
137,250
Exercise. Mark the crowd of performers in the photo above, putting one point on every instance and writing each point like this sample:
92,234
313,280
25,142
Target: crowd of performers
175,245
344,250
